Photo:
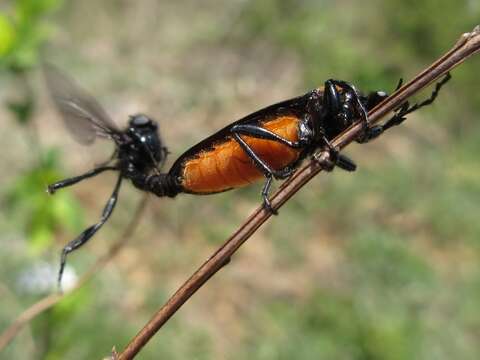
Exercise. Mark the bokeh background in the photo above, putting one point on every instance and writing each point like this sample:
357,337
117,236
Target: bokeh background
379,264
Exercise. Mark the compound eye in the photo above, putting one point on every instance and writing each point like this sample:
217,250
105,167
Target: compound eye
139,120
375,98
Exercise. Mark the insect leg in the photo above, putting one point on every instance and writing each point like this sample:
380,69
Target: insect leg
70,181
267,171
262,133
90,231
331,157
399,85
404,110
340,160
265,191
263,167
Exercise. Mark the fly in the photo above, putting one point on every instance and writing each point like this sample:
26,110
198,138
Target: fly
272,142
139,149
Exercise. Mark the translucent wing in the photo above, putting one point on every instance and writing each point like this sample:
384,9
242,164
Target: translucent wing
82,114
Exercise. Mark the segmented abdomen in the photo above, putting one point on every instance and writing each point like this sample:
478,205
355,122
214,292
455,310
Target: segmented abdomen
227,166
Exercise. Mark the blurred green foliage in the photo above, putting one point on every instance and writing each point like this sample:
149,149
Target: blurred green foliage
24,28
43,216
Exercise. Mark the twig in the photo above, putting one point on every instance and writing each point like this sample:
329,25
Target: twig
51,300
467,45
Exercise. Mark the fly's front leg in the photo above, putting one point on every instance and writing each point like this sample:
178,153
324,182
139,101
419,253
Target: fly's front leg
403,111
375,131
71,181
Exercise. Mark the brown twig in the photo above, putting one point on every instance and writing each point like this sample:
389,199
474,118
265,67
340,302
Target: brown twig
51,300
467,45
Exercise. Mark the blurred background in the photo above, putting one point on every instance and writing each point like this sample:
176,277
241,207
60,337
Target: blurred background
379,264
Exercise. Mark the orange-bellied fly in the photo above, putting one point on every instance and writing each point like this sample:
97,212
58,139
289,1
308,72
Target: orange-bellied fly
273,141
138,147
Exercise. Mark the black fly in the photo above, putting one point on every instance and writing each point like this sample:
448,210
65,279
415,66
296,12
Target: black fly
138,147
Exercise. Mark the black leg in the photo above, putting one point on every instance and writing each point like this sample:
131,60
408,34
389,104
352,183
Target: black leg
261,165
265,191
267,171
70,181
399,85
262,133
90,231
403,111
255,131
331,157
431,99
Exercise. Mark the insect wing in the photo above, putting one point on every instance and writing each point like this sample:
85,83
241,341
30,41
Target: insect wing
82,114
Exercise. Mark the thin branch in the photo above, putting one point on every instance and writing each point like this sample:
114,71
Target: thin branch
467,45
51,300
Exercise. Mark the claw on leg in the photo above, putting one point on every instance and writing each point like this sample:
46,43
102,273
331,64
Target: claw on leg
266,201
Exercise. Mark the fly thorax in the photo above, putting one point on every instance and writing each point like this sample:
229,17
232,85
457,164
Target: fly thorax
305,132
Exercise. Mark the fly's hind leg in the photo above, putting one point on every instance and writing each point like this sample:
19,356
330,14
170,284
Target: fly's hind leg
266,170
90,231
265,191
262,133
262,165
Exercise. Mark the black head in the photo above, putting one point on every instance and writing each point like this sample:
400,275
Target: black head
344,104
373,99
348,109
146,149
142,122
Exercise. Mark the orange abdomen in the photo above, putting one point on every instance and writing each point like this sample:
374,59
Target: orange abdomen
227,166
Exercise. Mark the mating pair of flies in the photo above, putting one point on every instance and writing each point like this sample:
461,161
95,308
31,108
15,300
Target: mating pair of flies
269,143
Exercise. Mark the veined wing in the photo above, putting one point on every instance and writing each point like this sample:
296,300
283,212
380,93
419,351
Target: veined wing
82,114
